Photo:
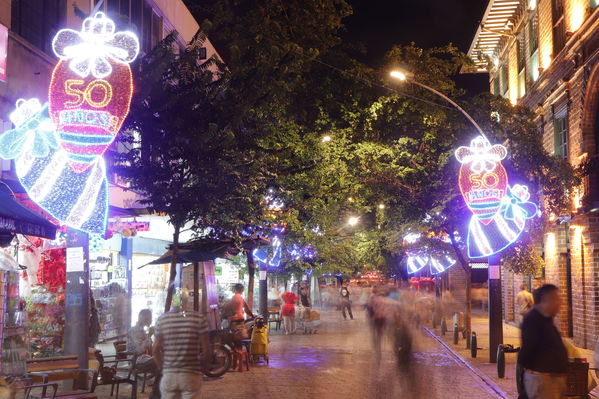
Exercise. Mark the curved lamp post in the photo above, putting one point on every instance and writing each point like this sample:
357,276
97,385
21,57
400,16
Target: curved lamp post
409,77
499,210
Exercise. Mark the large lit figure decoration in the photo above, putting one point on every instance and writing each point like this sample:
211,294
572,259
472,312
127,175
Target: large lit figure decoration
499,210
58,147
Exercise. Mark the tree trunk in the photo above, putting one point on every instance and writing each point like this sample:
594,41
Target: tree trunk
251,275
173,271
464,263
468,316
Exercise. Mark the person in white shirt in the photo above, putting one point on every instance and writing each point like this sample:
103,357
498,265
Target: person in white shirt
524,302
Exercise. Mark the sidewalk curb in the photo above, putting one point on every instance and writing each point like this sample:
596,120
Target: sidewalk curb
498,391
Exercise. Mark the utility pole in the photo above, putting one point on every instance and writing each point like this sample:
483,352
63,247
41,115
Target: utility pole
77,309
263,289
495,308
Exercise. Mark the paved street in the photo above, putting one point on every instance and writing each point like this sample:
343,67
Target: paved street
338,363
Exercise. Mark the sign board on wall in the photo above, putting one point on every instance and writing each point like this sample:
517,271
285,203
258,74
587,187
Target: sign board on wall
3,51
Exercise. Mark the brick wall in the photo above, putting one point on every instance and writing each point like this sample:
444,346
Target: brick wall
507,286
457,284
571,79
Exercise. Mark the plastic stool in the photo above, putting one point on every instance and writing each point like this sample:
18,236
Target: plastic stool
239,357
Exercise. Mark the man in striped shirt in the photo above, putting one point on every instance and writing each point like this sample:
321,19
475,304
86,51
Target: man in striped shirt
179,337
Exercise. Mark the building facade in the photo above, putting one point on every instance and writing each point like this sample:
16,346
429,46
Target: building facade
544,54
26,64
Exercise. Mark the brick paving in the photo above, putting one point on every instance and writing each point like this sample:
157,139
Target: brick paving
511,335
338,362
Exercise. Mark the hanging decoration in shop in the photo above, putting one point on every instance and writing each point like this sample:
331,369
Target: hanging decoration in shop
499,210
58,146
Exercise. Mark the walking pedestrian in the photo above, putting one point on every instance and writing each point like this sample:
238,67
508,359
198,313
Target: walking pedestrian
140,342
182,349
524,301
288,311
543,354
345,302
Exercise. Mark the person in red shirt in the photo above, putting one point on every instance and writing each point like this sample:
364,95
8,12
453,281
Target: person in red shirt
288,311
240,309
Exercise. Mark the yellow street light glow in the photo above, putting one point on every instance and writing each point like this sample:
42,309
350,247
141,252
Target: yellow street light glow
398,75
326,139
381,206
353,220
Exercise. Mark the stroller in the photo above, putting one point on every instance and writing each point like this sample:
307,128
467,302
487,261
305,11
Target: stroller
259,342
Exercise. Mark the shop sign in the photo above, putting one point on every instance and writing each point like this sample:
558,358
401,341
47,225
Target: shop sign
119,226
19,227
3,51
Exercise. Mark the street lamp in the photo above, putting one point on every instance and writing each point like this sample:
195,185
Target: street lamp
326,139
381,206
353,220
405,76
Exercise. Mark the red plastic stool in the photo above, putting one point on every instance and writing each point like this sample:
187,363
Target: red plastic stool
239,357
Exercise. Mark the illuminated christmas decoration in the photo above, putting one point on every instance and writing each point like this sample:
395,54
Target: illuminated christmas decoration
58,147
91,88
436,263
499,210
271,257
91,50
33,130
424,255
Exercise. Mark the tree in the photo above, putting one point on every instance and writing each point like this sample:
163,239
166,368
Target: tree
179,155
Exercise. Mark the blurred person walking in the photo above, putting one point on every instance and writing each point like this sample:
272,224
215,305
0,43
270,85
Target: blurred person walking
543,354
182,350
345,302
524,301
288,311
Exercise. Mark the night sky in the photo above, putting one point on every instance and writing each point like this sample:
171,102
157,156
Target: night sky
382,23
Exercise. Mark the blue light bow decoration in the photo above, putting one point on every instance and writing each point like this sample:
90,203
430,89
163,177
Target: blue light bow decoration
505,227
271,258
436,263
34,130
79,200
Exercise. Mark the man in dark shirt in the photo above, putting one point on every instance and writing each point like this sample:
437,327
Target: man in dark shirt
543,354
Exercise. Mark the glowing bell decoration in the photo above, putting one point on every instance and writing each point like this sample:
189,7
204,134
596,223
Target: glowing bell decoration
91,88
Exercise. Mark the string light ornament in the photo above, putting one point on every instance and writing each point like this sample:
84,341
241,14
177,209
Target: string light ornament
431,256
499,210
58,146
436,263
270,256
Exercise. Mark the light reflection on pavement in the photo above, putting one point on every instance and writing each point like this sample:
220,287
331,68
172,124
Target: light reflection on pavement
338,362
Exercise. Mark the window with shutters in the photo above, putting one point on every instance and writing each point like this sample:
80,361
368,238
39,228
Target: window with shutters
142,18
37,21
560,133
559,26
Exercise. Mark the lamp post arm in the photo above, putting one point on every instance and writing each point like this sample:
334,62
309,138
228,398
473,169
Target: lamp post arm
449,100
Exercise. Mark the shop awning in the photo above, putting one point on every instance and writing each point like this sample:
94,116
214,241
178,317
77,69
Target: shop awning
209,249
16,218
